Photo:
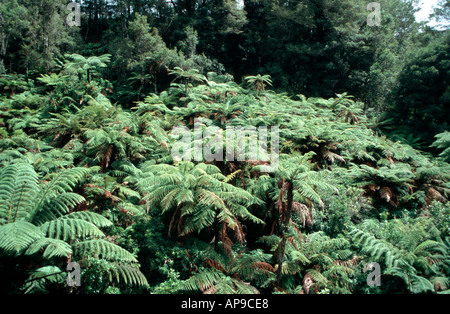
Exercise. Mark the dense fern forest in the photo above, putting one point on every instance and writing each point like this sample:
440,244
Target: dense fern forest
357,202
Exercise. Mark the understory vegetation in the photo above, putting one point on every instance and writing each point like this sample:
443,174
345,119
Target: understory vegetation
96,184
87,173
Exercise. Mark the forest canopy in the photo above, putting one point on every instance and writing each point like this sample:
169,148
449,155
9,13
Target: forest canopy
354,116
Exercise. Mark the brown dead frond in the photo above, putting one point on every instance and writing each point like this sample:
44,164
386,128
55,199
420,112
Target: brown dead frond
265,267
239,232
213,264
291,240
388,195
305,213
226,241
106,158
349,263
433,194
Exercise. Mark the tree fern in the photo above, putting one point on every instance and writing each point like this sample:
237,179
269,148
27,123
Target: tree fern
443,142
313,259
379,249
405,251
226,274
196,197
38,218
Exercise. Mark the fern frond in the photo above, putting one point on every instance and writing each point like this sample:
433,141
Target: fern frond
94,218
17,236
271,241
317,276
51,248
128,274
18,191
203,217
56,206
289,267
202,280
430,245
420,284
232,176
229,285
37,279
209,198
103,249
70,228
67,179
10,155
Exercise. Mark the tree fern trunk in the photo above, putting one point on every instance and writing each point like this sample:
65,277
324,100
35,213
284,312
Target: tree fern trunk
217,229
284,227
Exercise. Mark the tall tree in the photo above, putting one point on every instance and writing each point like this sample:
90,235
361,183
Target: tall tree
140,55
47,36
13,22
422,99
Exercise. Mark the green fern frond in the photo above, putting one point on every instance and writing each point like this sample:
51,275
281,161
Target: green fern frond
18,191
271,241
128,274
430,245
317,276
420,284
202,217
229,285
299,257
202,280
343,254
51,248
443,142
103,249
55,206
289,267
67,179
321,259
17,236
125,192
70,228
94,218
377,248
10,155
36,281
131,209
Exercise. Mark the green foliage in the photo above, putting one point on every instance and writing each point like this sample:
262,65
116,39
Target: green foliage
424,110
223,274
97,185
37,218
443,143
259,82
197,198
87,173
406,249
